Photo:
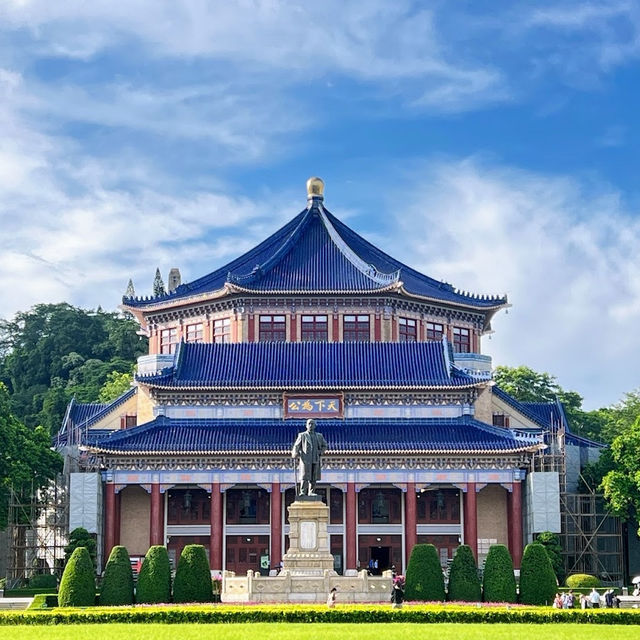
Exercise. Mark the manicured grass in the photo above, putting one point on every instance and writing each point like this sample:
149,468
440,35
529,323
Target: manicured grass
281,631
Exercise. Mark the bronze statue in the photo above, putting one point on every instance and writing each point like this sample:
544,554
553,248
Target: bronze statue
308,448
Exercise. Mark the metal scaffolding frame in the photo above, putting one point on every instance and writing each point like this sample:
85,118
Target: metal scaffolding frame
591,538
37,530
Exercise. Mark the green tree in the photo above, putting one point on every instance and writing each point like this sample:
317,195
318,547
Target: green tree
158,285
116,384
78,584
622,485
80,537
193,577
498,579
464,584
154,581
551,542
424,579
27,463
538,583
117,584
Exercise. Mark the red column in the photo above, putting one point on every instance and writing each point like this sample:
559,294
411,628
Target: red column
336,328
394,329
156,528
351,529
116,533
215,543
410,532
109,519
515,522
293,328
276,525
250,328
377,328
471,518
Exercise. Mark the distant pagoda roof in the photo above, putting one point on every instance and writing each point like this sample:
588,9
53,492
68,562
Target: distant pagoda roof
315,253
462,435
312,365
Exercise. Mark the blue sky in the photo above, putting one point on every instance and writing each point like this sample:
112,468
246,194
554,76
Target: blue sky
494,145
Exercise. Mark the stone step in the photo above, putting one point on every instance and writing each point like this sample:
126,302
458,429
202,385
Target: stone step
15,603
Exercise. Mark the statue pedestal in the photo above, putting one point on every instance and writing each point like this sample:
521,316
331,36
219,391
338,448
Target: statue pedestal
308,552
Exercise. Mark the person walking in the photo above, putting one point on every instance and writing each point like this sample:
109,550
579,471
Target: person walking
594,598
331,598
397,594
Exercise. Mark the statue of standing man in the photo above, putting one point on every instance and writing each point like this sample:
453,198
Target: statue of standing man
308,448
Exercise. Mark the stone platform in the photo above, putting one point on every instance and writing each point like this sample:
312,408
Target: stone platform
307,574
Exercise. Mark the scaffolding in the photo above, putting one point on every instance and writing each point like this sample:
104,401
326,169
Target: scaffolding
37,531
591,537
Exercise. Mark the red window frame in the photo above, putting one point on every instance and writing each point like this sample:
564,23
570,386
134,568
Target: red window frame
194,333
356,328
168,340
407,330
435,331
272,328
461,340
222,330
314,328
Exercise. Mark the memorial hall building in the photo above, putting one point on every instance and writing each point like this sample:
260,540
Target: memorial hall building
315,321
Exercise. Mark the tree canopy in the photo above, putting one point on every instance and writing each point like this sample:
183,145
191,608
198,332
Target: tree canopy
55,351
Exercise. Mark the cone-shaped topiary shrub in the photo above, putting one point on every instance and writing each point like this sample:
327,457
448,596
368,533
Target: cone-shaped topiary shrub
498,580
424,579
154,581
117,584
538,583
464,583
78,584
193,577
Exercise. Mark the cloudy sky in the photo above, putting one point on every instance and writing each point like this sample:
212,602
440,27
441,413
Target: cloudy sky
494,145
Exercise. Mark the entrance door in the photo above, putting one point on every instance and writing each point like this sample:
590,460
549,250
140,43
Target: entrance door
379,560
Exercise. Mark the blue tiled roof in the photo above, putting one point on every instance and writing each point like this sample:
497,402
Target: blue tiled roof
455,435
311,365
84,412
536,416
316,253
547,413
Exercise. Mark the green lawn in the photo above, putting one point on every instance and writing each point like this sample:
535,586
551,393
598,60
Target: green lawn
280,631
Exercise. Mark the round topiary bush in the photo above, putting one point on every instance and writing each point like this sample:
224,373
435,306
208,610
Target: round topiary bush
78,584
424,579
117,584
193,577
154,581
464,584
538,583
498,580
582,581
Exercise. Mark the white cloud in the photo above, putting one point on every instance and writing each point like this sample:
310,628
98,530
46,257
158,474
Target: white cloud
564,250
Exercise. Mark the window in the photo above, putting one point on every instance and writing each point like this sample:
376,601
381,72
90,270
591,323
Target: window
500,420
408,330
435,331
194,333
222,330
356,329
461,340
272,329
168,340
315,329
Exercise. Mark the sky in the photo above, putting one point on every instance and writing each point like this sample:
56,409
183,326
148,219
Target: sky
493,145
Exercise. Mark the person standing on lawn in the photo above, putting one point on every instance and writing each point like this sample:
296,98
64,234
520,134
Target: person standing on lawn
594,597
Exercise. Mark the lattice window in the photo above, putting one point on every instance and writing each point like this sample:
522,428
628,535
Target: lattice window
461,340
272,329
408,330
315,328
222,330
356,328
194,333
168,340
435,331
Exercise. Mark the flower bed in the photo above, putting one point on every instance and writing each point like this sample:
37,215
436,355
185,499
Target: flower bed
419,613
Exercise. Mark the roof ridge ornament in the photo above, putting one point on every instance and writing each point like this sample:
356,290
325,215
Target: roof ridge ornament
315,190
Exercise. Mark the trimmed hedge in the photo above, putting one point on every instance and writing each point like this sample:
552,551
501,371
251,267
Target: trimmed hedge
498,580
43,581
117,584
424,579
154,581
78,584
582,581
538,584
464,584
44,601
193,576
218,614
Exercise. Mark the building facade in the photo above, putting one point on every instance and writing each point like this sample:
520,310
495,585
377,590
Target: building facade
317,322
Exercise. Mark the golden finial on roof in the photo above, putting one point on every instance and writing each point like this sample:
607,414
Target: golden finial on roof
315,187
